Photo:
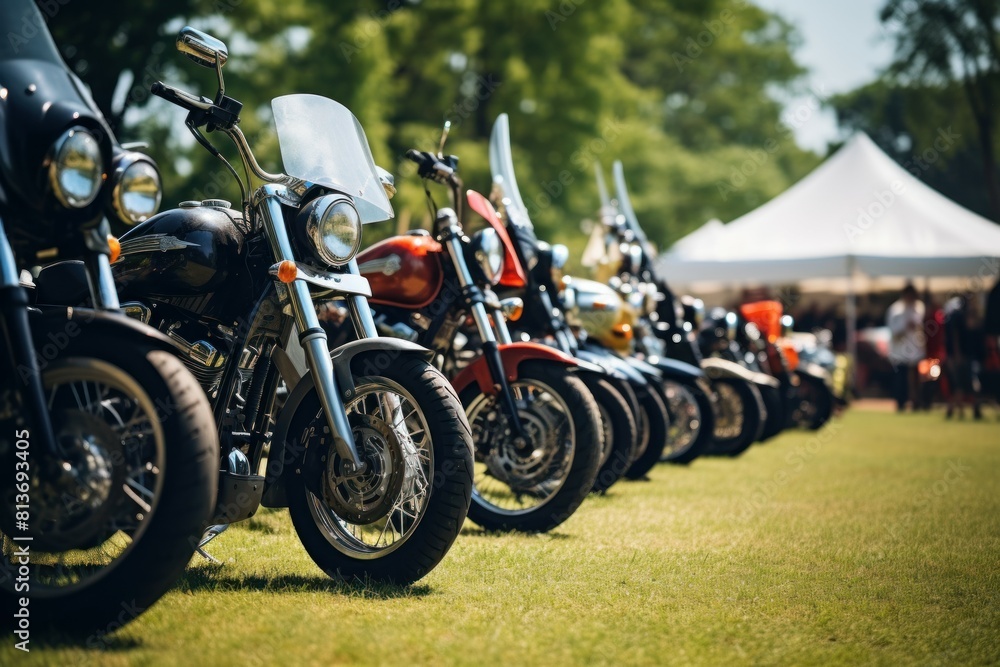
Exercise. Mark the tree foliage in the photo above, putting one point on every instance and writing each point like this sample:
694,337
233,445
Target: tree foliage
681,91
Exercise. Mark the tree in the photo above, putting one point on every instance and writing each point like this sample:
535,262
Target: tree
940,42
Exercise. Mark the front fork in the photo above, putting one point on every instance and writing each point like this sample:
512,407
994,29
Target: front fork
312,336
21,349
451,235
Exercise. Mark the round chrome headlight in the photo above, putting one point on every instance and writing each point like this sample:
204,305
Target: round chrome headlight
489,254
136,192
334,227
76,170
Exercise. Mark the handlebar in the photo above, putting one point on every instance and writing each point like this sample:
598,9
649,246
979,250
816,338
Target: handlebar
430,166
181,98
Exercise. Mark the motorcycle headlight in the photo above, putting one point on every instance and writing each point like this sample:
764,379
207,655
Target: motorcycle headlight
334,227
488,251
136,190
76,170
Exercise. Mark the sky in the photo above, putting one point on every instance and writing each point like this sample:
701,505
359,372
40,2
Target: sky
843,46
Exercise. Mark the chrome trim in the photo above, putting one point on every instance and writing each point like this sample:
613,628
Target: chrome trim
387,266
345,283
9,275
152,243
137,311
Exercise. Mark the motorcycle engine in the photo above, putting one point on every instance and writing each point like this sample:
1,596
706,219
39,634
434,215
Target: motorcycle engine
202,349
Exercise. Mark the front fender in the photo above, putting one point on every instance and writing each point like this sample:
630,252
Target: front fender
512,355
677,370
61,327
816,371
346,365
716,368
613,365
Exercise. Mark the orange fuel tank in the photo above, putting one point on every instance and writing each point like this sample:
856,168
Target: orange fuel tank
404,271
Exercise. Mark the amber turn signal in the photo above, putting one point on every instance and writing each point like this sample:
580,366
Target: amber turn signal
287,271
115,248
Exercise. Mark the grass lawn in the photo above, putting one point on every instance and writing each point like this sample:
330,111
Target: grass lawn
876,540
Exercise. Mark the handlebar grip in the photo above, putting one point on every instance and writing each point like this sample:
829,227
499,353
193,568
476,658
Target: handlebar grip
179,97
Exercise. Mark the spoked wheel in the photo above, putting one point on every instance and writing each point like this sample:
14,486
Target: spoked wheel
621,435
397,520
535,483
739,416
115,521
654,425
692,423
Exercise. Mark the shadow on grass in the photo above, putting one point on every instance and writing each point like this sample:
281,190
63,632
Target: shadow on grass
96,641
218,578
470,531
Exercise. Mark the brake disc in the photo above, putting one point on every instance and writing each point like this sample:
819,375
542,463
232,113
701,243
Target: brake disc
366,498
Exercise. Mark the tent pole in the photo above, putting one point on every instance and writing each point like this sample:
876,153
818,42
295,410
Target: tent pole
852,324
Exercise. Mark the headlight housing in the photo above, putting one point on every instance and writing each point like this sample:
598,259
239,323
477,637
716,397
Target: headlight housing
136,190
76,170
488,251
333,226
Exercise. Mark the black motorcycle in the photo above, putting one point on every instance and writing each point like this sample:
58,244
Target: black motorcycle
738,408
367,445
107,442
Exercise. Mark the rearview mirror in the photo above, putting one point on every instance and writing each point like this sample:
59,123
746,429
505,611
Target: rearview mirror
202,47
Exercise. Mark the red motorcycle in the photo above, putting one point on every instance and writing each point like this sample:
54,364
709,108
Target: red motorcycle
536,428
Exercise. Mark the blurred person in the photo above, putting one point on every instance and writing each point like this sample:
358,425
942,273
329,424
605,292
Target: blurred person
905,319
991,335
963,354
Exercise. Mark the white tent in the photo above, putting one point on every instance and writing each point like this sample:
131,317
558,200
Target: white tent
857,213
859,216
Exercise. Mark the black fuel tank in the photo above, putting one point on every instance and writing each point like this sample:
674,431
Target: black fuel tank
190,257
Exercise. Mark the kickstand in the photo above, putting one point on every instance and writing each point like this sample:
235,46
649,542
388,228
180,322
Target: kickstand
210,534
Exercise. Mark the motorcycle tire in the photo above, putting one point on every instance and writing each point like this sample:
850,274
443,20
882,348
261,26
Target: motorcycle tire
183,471
698,423
353,546
621,435
653,431
739,418
777,416
815,403
578,454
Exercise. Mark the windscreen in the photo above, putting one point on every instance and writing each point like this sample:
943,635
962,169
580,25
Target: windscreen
504,180
322,142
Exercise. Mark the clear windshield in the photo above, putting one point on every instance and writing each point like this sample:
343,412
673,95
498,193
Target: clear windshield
625,204
322,142
502,168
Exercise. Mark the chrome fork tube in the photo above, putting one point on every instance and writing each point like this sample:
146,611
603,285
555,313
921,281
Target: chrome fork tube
361,312
22,358
312,337
102,281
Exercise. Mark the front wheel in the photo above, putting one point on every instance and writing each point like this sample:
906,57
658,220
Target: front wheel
114,522
692,423
533,484
739,418
397,520
813,403
621,434
653,431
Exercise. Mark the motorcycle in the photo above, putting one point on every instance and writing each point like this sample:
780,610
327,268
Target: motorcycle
368,447
624,398
535,426
107,438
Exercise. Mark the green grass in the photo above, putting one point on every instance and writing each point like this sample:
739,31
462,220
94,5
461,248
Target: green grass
875,541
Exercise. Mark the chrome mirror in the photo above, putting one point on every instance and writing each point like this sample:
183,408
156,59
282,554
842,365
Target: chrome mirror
387,180
560,255
202,47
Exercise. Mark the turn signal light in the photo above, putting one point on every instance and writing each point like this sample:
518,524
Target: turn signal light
512,308
115,246
287,271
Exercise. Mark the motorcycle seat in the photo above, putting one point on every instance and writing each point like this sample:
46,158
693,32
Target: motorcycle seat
62,284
